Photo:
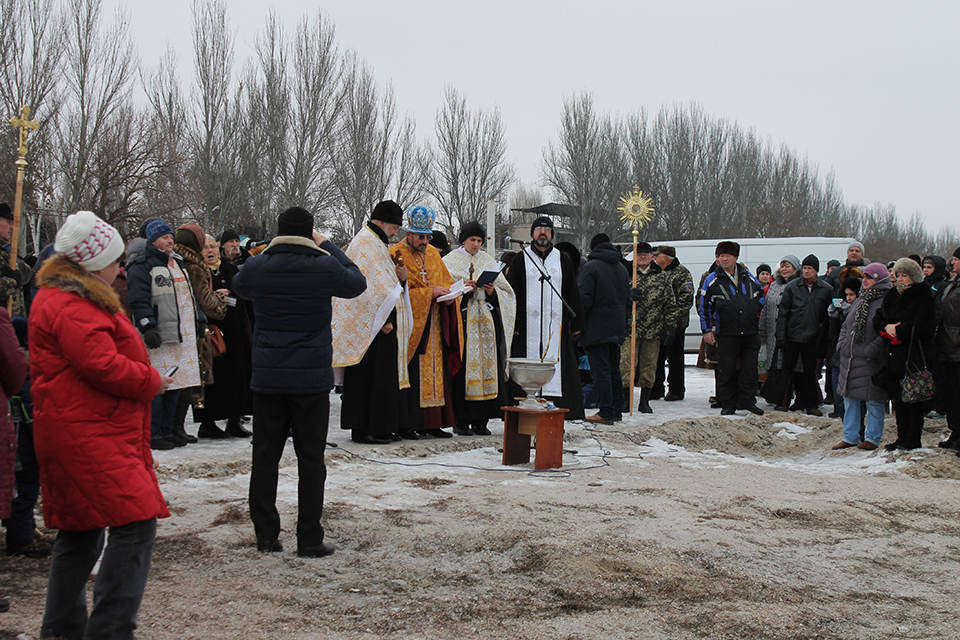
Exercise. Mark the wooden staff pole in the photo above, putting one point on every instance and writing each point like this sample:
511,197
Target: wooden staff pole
25,125
633,324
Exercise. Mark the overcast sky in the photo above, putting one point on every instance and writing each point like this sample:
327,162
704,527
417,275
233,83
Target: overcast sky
868,89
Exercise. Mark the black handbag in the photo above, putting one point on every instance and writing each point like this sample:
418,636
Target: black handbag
917,384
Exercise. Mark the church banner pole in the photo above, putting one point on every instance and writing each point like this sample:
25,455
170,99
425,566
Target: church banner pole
636,210
25,124
633,324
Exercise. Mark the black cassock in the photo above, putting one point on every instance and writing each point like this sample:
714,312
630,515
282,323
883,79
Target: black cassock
370,404
229,396
570,386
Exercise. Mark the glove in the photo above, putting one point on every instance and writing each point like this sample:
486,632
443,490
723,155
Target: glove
12,274
636,294
668,336
152,338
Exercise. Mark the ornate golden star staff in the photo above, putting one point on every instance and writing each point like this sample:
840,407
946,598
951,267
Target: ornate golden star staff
636,210
25,124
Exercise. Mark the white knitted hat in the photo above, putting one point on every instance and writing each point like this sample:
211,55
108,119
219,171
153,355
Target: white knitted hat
89,241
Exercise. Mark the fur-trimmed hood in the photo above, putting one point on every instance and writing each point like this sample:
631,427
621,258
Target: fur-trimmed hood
59,273
295,240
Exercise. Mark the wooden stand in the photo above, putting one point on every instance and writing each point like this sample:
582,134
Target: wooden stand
547,426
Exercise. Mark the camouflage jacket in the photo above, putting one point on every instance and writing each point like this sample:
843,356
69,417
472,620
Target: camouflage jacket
657,305
681,282
10,289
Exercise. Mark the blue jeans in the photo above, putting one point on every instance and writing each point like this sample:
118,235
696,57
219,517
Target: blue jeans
117,591
851,421
162,410
837,396
605,373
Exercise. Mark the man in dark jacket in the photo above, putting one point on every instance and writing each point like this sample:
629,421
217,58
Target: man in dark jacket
854,258
604,291
231,249
681,283
801,315
731,299
291,284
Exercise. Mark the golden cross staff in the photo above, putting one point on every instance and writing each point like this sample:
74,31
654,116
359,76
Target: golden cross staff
636,210
25,124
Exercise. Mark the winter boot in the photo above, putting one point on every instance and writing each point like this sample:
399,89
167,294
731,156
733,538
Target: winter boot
644,406
236,429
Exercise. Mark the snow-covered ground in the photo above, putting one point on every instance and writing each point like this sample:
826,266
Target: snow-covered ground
586,447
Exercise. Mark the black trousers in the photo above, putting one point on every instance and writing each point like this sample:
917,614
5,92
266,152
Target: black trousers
275,417
673,354
909,422
736,389
804,382
951,394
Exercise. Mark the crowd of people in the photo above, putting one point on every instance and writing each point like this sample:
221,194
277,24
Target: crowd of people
123,340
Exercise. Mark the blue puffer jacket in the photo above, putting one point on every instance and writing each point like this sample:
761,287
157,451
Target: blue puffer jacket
730,309
290,284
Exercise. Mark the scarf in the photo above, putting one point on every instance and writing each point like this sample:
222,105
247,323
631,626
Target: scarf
863,310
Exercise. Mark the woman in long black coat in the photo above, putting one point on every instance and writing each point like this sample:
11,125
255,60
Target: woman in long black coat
228,398
906,322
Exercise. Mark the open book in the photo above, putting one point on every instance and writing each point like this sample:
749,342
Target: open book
456,290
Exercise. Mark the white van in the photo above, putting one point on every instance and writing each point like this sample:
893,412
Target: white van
698,256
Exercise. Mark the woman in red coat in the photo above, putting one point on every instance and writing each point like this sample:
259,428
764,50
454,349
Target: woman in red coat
92,386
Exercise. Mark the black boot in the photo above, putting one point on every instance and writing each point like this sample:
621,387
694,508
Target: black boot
180,417
953,442
236,429
644,406
181,433
211,430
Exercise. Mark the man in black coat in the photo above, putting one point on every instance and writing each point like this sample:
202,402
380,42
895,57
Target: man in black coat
854,259
800,319
290,284
604,291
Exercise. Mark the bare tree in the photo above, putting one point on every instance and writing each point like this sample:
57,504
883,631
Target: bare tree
209,134
166,197
587,168
410,179
126,162
469,165
524,196
99,68
316,102
31,46
365,155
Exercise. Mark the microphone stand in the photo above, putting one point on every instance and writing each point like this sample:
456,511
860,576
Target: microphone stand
544,277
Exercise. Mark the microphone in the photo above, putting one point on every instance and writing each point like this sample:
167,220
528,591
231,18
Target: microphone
515,241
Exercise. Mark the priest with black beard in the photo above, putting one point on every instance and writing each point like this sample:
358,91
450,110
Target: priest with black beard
544,327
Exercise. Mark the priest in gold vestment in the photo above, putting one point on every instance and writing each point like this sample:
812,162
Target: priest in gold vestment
435,346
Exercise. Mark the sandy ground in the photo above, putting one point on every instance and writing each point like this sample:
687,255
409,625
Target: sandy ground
678,525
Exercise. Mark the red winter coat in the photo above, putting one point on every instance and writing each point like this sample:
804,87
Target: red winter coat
92,388
13,369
